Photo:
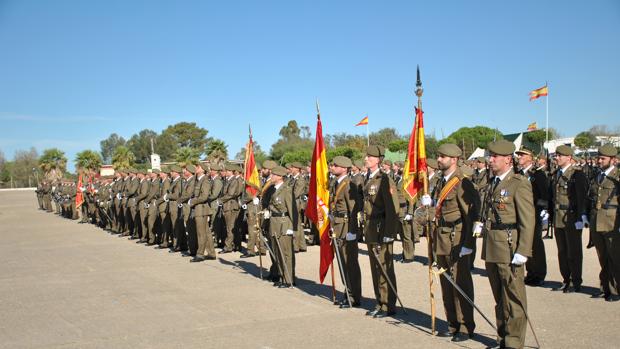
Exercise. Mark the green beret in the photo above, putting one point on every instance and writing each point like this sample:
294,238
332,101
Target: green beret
607,150
387,162
190,168
269,164
238,168
165,169
399,163
297,164
451,150
375,150
205,166
175,168
432,163
279,171
230,167
359,164
502,147
288,166
156,171
564,150
481,159
342,161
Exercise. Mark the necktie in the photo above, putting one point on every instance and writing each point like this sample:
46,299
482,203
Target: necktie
601,178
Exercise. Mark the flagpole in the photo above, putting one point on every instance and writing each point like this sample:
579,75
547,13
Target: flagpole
367,134
547,117
418,92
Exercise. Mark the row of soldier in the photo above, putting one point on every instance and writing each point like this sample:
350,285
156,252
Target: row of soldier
191,209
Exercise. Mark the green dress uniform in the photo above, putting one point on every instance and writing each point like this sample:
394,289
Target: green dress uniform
175,207
509,221
202,214
230,207
605,224
453,230
216,223
131,191
299,187
380,227
252,210
407,227
163,206
141,229
186,223
152,213
569,204
282,220
343,209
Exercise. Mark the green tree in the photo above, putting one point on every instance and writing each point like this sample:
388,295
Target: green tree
217,150
88,159
166,147
472,137
187,155
140,145
584,140
109,145
351,153
539,136
384,137
431,144
123,158
187,134
346,140
398,145
259,154
293,139
23,168
301,155
53,163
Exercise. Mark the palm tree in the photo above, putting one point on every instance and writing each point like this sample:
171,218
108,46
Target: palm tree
53,162
88,159
123,158
186,155
217,151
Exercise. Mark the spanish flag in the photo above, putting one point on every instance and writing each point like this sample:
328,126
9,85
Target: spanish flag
532,127
543,91
364,121
252,182
79,195
318,200
415,172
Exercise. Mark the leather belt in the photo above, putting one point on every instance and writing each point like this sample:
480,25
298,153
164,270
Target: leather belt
443,223
278,214
503,226
340,214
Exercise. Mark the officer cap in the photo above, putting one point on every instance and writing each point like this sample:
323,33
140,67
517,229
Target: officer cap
279,171
190,168
502,147
564,150
175,168
205,166
269,164
525,151
297,164
451,150
432,163
607,150
375,150
342,161
359,164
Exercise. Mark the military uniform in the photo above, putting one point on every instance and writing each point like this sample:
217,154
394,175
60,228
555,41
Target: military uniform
187,224
344,205
380,227
230,208
202,214
141,227
605,224
457,207
509,222
569,204
163,206
299,187
282,220
175,208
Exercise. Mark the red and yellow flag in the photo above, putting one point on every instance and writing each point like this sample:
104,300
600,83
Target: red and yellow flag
415,172
364,121
543,91
252,181
318,200
79,195
532,126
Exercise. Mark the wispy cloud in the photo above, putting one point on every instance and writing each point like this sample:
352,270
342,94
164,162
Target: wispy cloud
8,116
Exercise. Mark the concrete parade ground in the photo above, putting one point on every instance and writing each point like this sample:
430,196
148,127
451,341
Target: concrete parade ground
70,285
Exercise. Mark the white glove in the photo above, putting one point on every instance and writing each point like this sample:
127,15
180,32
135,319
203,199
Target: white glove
584,219
407,217
351,237
82,189
289,232
96,191
579,225
387,240
166,197
218,202
518,259
544,215
465,251
118,196
426,200
266,214
147,205
180,205
477,231
255,201
244,206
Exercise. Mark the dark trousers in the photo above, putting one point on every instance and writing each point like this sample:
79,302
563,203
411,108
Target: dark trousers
536,265
570,253
459,313
607,246
386,298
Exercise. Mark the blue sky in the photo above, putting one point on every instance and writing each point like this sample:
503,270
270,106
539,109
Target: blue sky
73,72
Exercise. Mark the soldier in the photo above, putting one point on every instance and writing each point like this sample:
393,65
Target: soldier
132,183
152,212
569,195
266,192
536,265
507,244
386,167
163,208
604,215
141,229
380,219
406,227
282,215
188,227
299,187
176,215
344,205
456,208
117,193
217,225
251,206
202,211
230,207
